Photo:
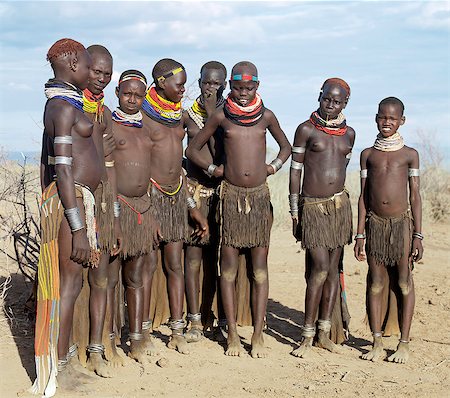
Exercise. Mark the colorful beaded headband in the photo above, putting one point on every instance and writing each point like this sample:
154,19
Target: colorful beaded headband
132,77
171,73
245,78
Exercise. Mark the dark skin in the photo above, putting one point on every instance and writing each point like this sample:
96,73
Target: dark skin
325,165
133,170
165,163
62,119
385,192
245,152
212,83
99,77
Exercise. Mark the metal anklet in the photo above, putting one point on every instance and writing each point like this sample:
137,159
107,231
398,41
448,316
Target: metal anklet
62,364
404,341
324,325
194,317
177,324
73,351
146,325
308,331
377,334
94,348
135,336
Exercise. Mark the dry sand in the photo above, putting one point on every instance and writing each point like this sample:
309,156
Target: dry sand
207,372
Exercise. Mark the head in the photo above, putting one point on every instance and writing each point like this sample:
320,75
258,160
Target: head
212,78
390,116
244,83
101,68
169,77
70,62
333,97
131,91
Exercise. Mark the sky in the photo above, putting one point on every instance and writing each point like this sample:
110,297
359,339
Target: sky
382,48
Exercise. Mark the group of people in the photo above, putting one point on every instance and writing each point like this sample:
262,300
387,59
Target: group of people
120,200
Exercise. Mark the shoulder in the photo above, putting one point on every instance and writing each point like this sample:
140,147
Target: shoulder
351,132
62,107
305,128
107,111
366,152
411,152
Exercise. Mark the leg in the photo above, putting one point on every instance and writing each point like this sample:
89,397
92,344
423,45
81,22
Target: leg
406,284
175,287
150,263
376,280
317,268
329,293
135,301
192,264
229,267
260,295
113,278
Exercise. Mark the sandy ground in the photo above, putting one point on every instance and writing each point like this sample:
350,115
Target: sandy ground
207,372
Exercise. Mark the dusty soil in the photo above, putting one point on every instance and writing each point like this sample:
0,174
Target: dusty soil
207,372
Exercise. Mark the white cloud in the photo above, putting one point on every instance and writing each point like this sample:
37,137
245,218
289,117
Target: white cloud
19,86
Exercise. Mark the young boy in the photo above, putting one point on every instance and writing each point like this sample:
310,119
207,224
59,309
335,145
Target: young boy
322,146
212,83
169,195
394,232
133,171
67,216
244,209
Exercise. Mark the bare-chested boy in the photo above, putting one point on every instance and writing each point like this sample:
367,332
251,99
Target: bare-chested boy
393,226
68,239
202,187
322,147
133,171
244,209
108,229
170,198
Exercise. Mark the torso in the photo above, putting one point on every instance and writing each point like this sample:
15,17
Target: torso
325,161
387,180
132,159
98,130
86,165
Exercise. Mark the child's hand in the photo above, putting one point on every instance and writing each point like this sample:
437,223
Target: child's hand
201,229
109,144
360,252
270,170
295,229
416,249
118,235
218,172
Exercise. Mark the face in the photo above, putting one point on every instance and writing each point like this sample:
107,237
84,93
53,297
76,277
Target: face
389,118
332,101
173,87
80,65
100,73
131,94
212,80
243,92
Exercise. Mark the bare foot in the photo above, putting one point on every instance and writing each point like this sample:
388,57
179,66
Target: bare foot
115,360
258,349
323,341
150,347
178,342
98,365
234,347
79,368
195,333
377,351
402,353
137,351
68,380
305,348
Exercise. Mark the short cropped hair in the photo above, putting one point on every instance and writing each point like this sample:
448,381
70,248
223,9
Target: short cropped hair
98,49
63,47
214,65
245,63
164,66
393,101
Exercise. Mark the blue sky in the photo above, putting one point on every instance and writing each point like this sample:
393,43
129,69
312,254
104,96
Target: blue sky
380,48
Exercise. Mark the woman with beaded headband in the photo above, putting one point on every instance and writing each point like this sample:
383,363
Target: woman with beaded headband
393,226
321,214
68,239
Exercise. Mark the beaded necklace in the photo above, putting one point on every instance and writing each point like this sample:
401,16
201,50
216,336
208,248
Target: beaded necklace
66,91
389,144
125,119
161,110
93,103
198,113
244,115
336,126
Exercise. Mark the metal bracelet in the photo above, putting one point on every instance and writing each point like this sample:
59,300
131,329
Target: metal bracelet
276,164
210,170
94,348
298,149
116,209
296,165
363,173
74,219
360,236
348,156
146,325
413,172
417,235
191,203
109,163
67,160
67,139
293,202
